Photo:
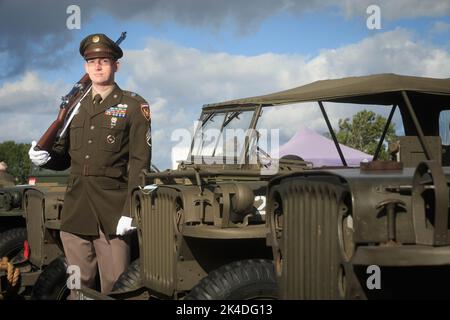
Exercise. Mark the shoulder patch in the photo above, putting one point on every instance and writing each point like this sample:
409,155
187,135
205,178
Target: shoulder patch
145,109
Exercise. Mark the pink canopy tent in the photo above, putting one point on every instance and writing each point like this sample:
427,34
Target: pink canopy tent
321,151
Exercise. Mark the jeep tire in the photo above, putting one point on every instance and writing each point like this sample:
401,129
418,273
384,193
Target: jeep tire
241,280
51,284
129,280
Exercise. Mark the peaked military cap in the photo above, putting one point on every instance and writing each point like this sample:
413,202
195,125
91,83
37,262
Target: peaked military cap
99,45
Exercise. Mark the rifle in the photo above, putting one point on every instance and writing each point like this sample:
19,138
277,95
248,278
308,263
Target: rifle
68,104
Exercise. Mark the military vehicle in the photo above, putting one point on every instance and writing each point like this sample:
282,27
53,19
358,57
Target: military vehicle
331,229
30,217
199,232
7,200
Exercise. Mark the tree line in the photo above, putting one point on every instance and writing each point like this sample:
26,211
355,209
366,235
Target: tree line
16,157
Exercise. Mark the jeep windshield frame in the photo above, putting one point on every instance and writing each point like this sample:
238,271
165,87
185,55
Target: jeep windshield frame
240,118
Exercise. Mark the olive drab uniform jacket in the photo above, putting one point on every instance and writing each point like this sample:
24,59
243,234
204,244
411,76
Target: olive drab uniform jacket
107,146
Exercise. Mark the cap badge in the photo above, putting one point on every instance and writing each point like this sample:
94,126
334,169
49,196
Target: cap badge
95,39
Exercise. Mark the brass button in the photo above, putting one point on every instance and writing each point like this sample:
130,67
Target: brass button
89,141
92,127
87,156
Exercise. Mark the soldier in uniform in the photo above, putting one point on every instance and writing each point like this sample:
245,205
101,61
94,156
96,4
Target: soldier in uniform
107,146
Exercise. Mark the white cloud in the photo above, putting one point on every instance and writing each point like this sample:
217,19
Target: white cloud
390,52
395,51
30,94
28,106
23,127
177,81
440,27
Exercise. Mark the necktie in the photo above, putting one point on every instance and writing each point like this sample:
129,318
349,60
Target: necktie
97,99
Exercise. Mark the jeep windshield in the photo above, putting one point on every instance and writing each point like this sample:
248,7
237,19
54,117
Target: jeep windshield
222,135
277,132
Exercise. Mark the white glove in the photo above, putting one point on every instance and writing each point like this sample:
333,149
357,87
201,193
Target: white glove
39,158
124,226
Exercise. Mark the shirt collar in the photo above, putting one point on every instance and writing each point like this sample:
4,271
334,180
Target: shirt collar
105,93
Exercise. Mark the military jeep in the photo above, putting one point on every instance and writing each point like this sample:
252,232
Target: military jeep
30,217
202,228
331,229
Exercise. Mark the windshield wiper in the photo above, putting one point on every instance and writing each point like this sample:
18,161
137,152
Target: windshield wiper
231,117
207,118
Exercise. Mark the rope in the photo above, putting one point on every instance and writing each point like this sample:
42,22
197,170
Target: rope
12,274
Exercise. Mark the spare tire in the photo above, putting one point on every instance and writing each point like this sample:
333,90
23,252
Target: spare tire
11,242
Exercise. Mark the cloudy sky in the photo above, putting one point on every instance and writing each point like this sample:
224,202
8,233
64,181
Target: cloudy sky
181,54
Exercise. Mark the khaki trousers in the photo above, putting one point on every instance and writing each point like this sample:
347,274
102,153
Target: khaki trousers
90,252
